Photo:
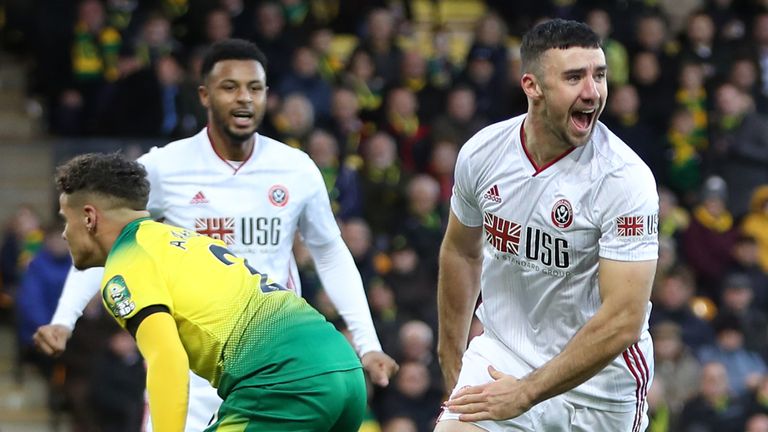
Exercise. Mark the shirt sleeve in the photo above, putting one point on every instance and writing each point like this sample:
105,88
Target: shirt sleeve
463,200
156,198
79,288
316,222
627,208
131,287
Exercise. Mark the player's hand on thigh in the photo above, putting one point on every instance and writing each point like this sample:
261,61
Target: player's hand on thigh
51,339
379,366
501,399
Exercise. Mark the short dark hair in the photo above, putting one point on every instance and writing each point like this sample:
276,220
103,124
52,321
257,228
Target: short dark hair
231,49
555,34
109,175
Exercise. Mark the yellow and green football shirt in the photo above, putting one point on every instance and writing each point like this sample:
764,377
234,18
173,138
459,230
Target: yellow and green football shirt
235,324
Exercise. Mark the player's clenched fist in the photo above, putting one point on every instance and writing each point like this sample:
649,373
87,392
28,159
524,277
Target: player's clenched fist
52,339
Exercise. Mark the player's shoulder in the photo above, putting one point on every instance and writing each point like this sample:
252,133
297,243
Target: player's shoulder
175,151
490,140
614,156
277,154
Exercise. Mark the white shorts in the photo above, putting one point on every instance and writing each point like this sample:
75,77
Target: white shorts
553,415
203,404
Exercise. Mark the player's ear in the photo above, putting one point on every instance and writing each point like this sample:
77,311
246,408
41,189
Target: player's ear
531,86
202,93
90,217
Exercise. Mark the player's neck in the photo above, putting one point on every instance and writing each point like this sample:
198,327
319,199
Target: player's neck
542,146
111,225
227,147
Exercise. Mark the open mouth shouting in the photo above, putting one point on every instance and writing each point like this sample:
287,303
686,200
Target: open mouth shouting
582,120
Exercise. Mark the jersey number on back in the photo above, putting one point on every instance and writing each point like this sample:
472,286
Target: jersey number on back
265,284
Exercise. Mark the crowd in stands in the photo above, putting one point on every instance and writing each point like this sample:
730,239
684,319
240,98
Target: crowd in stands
382,99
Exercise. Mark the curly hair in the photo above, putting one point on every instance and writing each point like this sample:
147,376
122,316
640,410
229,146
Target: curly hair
555,34
231,49
109,175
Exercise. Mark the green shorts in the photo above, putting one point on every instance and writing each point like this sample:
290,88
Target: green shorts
330,402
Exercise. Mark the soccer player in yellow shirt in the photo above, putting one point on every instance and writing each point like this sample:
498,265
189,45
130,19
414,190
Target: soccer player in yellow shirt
191,304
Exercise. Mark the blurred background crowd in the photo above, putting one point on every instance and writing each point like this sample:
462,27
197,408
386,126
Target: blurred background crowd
382,95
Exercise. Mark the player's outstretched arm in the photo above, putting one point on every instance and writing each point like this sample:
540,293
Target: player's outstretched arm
344,286
625,288
458,286
167,371
79,288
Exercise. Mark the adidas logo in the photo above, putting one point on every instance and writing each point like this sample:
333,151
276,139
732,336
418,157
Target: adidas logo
493,194
199,198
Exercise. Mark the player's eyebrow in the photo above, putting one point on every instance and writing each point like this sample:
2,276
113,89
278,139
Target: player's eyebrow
583,70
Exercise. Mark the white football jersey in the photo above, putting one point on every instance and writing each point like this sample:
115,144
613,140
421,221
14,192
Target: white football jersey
254,207
545,229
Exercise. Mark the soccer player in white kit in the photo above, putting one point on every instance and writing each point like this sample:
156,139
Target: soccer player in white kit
252,192
555,220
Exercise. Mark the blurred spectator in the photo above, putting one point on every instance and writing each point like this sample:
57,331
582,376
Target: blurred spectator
760,44
38,295
423,223
360,76
744,75
755,224
384,312
745,368
715,408
673,219
94,60
341,178
240,16
739,146
672,303
270,36
293,120
758,400
441,166
329,63
460,121
21,240
757,423
623,118
117,385
656,95
676,366
479,74
411,397
738,301
413,282
440,67
413,76
402,122
490,34
691,96
615,52
379,40
683,172
153,102
357,236
383,183
652,36
658,410
747,262
728,22
709,239
345,123
699,45
218,25
400,424
305,79
155,41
